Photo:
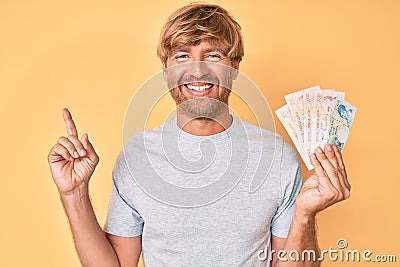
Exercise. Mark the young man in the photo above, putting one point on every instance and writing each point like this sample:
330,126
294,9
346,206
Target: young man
238,229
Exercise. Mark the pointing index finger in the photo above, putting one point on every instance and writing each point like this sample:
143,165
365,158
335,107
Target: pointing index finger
69,123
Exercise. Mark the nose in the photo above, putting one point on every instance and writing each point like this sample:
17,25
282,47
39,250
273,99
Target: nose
198,69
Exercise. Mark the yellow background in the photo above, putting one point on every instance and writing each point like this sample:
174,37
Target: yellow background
91,56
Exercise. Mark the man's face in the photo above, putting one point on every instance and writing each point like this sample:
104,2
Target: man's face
200,79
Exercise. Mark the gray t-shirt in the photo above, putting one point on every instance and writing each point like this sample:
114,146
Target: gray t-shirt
186,228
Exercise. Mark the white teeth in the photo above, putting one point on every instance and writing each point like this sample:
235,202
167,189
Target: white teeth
199,88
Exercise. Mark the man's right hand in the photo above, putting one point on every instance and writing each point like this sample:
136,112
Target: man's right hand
72,161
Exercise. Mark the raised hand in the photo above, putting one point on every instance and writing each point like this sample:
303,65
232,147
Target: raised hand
72,161
327,185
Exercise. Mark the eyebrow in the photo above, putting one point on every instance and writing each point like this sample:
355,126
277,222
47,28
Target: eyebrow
215,50
187,50
179,49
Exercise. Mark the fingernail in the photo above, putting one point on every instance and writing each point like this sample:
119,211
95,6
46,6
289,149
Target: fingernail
329,147
76,155
319,150
82,152
313,156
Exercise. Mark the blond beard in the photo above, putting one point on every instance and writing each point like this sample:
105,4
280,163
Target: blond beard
201,107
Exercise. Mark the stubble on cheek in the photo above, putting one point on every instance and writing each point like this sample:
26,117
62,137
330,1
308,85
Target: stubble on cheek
177,95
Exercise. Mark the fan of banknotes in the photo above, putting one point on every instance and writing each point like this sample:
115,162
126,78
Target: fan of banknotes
314,117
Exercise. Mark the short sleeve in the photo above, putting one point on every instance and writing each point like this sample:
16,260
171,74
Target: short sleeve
122,217
291,182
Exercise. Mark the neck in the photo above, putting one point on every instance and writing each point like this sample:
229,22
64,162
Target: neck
204,126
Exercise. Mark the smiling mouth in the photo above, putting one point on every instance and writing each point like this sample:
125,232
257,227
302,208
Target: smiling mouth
199,87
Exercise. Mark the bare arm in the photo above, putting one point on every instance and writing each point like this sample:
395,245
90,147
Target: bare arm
127,248
301,239
277,244
327,186
94,247
72,162
91,244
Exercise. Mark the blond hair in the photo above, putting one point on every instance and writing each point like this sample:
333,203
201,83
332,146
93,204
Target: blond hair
197,22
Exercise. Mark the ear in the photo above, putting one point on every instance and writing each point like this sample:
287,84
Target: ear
165,72
235,69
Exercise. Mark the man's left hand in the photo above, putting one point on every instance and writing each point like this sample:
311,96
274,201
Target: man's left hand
327,186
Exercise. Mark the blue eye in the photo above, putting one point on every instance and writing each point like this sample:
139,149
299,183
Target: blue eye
214,57
181,57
